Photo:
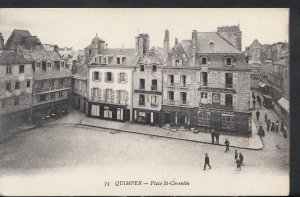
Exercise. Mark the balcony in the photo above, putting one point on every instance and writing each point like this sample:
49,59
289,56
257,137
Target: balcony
154,105
170,102
228,85
183,85
170,84
111,101
153,88
142,103
51,89
204,84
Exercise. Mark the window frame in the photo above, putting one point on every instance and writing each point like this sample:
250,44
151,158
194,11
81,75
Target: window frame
23,68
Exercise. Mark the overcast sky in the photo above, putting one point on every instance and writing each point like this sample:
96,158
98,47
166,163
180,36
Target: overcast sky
118,27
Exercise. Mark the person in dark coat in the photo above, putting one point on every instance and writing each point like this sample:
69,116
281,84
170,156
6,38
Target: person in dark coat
273,127
213,136
282,126
257,114
253,95
227,145
269,121
241,158
277,125
266,117
238,164
268,125
236,155
217,137
261,131
253,103
206,162
284,133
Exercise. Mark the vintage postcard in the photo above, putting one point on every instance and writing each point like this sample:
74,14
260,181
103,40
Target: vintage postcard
143,101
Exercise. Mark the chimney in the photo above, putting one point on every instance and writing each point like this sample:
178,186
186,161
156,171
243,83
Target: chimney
142,44
194,45
1,41
166,45
55,48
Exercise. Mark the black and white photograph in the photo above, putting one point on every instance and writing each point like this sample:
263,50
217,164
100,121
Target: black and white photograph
144,101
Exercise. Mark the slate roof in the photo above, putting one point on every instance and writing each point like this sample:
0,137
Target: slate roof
94,43
154,56
81,72
21,38
10,57
41,54
52,74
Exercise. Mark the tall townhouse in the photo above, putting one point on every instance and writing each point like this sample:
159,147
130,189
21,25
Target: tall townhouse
147,87
110,78
15,89
52,82
79,89
206,83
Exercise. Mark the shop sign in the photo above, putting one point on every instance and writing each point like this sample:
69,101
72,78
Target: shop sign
217,90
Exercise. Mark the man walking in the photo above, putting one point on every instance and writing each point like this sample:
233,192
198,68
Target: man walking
266,117
268,125
217,137
238,164
277,125
253,103
257,114
227,145
212,136
241,158
206,162
236,155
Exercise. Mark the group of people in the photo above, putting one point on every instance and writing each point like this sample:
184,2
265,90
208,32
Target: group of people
254,98
275,126
214,135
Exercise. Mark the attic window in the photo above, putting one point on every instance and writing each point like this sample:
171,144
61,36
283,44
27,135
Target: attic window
154,68
119,60
204,60
38,64
211,44
228,61
142,68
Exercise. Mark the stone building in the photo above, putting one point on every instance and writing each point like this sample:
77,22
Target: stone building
97,45
110,78
206,83
147,87
15,89
52,82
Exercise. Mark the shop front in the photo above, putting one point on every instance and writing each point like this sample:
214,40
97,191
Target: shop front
143,116
48,110
178,116
109,111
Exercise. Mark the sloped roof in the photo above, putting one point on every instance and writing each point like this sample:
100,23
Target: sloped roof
10,57
21,38
94,43
152,57
130,54
81,72
41,54
52,74
220,45
187,46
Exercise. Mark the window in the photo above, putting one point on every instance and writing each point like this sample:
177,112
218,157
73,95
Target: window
17,85
8,86
142,100
203,60
109,76
90,52
171,80
21,69
204,78
38,64
42,97
3,103
142,68
52,95
61,81
183,99
119,60
228,80
228,100
8,70
104,60
154,68
60,94
183,80
142,84
153,100
203,118
154,84
49,64
16,101
56,65
28,83
122,77
109,94
177,62
52,82
44,66
96,76
171,95
203,98
228,61
228,121
62,64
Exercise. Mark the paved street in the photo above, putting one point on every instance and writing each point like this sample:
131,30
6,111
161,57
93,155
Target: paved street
49,158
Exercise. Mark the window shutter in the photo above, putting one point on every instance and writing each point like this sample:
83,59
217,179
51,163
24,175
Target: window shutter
209,97
93,76
104,94
234,78
105,76
176,78
165,78
126,95
91,92
112,77
147,98
234,100
188,79
178,96
180,62
222,99
100,76
112,95
119,77
222,78
208,77
198,76
118,95
126,76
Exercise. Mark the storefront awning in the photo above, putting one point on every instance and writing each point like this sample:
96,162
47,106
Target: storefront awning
285,104
262,84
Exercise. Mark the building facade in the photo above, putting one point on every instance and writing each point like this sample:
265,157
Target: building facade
16,79
147,88
97,45
206,84
79,89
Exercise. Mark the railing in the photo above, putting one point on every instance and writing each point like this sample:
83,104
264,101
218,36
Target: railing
228,86
142,103
51,88
171,102
154,104
204,83
97,99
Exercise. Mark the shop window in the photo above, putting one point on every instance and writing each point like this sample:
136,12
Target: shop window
204,98
142,68
154,85
154,68
142,84
142,100
228,80
107,112
183,98
228,100
170,95
21,69
228,121
8,69
17,85
183,80
141,116
203,118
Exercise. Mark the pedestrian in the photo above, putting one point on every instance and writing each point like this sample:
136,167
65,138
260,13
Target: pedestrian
236,155
227,145
212,136
253,103
284,133
238,164
268,126
277,126
282,126
206,162
241,158
253,95
261,131
217,137
273,127
269,122
266,117
257,114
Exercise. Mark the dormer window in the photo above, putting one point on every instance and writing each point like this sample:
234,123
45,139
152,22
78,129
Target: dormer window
38,64
204,60
228,61
49,64
96,60
62,64
142,68
120,60
154,68
104,60
177,62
